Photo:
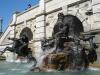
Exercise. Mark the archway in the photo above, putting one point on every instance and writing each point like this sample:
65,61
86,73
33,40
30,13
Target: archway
27,31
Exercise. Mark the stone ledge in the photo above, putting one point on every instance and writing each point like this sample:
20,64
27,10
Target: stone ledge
95,65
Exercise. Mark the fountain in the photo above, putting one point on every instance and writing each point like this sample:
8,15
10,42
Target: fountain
67,48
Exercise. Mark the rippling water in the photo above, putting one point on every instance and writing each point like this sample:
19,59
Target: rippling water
23,69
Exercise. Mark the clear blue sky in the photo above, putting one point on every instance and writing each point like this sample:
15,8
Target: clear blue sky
7,7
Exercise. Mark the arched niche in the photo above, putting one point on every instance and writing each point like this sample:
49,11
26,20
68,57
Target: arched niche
27,31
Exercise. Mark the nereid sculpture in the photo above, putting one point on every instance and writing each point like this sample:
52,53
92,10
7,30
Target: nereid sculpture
68,41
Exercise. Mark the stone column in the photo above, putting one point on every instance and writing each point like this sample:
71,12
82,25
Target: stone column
96,13
40,31
65,9
42,6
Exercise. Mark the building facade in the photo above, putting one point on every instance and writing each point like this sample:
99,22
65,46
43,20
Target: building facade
40,19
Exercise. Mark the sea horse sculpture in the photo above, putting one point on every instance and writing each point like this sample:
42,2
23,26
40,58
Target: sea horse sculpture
20,47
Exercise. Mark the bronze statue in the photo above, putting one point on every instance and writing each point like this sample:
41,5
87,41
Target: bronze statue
68,30
20,46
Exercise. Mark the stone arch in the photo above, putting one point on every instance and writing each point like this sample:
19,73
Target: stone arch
27,31
73,24
79,12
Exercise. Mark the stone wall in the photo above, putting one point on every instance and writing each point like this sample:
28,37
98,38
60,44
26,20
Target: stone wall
42,22
96,12
42,18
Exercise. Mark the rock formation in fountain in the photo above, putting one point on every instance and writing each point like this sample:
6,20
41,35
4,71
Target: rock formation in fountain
70,52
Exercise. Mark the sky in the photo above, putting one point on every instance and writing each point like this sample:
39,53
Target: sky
7,7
